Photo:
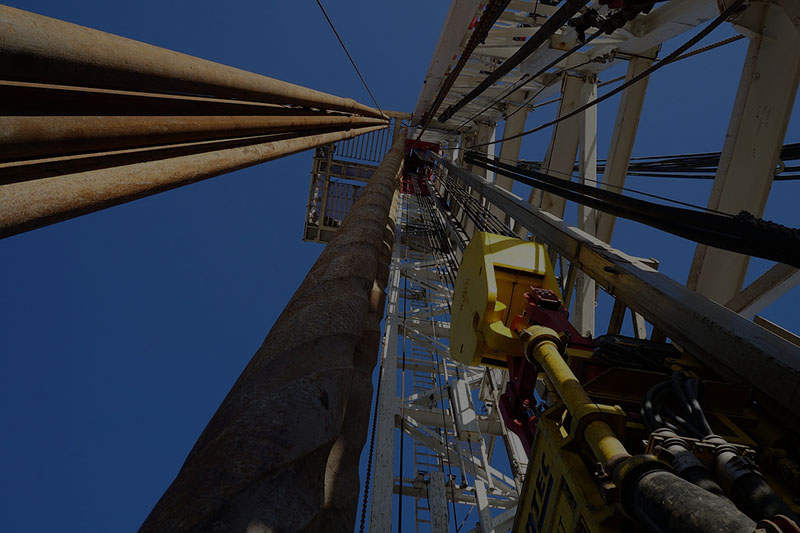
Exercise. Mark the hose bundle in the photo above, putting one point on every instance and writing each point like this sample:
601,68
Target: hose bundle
673,404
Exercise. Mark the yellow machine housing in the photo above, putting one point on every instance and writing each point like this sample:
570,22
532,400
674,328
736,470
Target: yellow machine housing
494,274
560,494
585,430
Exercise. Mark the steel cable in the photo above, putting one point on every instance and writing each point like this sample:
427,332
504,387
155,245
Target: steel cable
330,22
527,78
730,10
740,233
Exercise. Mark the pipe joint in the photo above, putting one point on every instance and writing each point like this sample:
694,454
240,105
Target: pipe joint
744,484
628,473
729,465
535,336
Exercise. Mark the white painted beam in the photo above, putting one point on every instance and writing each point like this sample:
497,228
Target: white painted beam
501,481
465,415
459,495
484,515
383,468
763,291
437,502
454,31
509,150
585,291
560,159
756,131
436,417
639,328
774,328
623,136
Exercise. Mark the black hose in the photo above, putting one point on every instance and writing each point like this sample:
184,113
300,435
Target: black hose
757,500
699,475
674,404
663,502
744,484
679,397
683,423
692,387
648,410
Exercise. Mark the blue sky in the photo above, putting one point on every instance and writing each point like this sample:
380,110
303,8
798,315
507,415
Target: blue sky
123,330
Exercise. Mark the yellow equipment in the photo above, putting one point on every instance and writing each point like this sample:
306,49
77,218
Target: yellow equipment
581,473
494,273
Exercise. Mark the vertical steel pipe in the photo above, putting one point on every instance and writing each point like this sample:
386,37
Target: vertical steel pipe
281,452
541,349
23,137
32,204
663,503
41,49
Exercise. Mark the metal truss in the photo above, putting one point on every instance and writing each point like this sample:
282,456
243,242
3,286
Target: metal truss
339,172
735,347
747,163
437,432
437,407
519,22
742,180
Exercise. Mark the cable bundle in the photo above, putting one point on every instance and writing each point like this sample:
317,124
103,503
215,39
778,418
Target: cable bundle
674,404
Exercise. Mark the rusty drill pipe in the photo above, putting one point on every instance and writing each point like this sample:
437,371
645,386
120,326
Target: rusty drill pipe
19,98
261,462
41,49
36,169
33,204
26,137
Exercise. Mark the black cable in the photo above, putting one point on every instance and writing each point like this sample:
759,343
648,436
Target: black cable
620,78
479,219
490,14
529,100
554,63
741,233
692,388
505,169
546,30
619,188
607,82
349,56
730,10
481,215
527,78
674,404
686,166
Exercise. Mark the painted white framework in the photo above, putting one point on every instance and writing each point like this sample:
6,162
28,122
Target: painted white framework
751,152
435,403
520,20
444,409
